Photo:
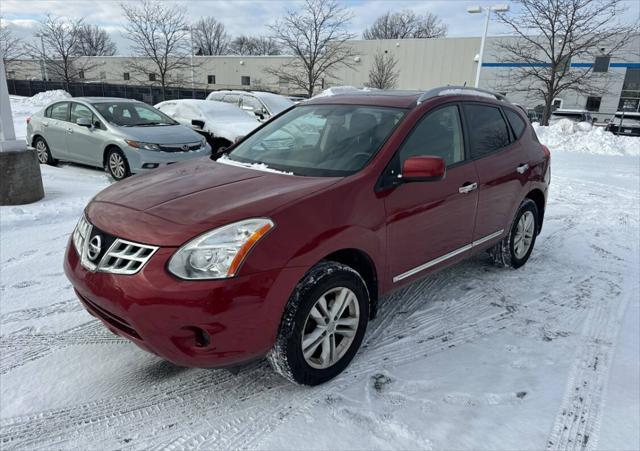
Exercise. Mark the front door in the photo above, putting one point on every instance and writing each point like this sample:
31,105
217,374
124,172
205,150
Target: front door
84,143
430,224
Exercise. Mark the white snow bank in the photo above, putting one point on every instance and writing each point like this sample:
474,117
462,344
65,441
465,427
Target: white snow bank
343,90
24,107
568,136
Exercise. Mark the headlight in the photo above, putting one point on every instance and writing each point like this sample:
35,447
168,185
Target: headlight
141,145
218,253
80,234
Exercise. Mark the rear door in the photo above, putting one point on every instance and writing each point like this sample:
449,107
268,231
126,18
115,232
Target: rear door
56,129
502,166
85,144
431,223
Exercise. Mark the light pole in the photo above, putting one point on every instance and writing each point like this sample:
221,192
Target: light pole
44,57
478,9
193,74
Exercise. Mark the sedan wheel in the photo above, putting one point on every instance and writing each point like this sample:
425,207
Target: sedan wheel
117,165
330,327
43,153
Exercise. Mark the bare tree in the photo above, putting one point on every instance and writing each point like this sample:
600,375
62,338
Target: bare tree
57,48
94,41
383,73
316,36
210,37
159,34
552,33
11,47
406,25
254,45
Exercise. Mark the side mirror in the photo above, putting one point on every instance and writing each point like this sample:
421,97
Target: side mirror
423,169
196,124
84,122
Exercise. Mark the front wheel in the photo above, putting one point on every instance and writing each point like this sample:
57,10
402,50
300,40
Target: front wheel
117,164
322,326
515,249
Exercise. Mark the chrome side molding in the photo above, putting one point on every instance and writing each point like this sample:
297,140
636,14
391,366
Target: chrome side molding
445,257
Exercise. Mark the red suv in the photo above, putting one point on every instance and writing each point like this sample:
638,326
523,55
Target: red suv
283,246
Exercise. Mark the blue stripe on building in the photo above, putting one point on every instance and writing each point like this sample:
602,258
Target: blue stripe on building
612,65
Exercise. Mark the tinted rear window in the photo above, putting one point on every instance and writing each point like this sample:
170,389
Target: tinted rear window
487,129
517,123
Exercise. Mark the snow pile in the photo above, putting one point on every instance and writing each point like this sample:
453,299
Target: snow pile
343,90
24,107
568,136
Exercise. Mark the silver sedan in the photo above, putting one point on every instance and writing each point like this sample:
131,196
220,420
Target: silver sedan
123,136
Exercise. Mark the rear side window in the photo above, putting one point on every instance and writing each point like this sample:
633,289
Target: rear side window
59,111
487,129
438,134
231,98
517,123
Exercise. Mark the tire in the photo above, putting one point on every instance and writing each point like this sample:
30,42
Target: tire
43,152
116,164
515,249
327,280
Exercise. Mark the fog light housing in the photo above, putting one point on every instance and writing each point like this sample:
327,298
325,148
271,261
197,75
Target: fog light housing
149,165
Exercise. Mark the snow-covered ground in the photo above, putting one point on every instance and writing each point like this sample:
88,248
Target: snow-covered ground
473,357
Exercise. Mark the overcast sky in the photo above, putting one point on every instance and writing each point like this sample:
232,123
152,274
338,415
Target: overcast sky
248,17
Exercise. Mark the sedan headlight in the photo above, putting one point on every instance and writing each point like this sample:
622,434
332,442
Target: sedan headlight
141,145
218,253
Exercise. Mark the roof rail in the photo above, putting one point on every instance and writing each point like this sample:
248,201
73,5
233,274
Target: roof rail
455,90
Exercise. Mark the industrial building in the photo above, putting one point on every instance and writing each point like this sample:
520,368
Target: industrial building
421,64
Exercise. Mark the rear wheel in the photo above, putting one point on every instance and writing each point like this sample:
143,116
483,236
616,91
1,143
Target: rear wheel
322,326
117,164
43,152
515,249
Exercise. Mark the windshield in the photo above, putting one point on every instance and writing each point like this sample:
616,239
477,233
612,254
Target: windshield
130,114
320,140
275,103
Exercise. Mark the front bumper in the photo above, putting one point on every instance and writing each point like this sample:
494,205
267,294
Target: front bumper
141,160
166,316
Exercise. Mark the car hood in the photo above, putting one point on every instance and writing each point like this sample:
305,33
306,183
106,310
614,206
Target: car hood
169,206
229,129
161,134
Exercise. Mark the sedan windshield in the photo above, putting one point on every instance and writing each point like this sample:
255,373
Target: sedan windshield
320,140
130,114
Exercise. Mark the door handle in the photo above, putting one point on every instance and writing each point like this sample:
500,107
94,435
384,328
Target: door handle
45,124
467,188
70,130
522,168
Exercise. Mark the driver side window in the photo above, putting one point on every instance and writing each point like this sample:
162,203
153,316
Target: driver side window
437,134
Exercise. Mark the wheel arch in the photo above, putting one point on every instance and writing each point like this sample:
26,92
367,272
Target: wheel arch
364,265
538,197
36,136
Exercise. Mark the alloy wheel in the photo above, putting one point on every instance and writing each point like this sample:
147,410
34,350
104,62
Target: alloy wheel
117,165
524,235
41,150
330,327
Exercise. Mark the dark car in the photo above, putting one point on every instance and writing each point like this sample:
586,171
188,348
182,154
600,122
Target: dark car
625,124
284,250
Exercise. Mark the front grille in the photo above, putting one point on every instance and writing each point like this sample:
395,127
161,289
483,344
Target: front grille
125,257
180,147
100,251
